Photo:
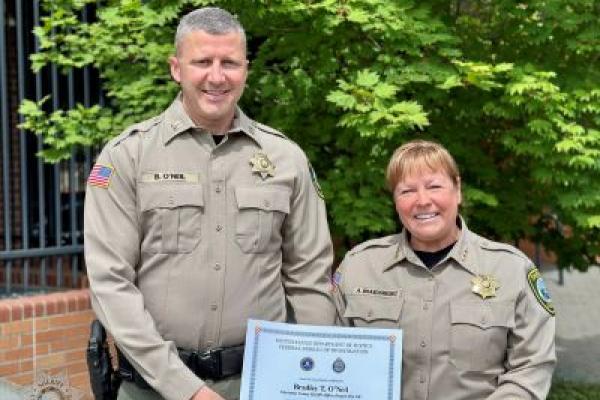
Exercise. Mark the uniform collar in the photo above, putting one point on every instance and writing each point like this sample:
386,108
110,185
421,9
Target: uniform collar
462,252
178,121
398,252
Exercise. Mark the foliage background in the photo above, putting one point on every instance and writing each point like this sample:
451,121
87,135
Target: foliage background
512,89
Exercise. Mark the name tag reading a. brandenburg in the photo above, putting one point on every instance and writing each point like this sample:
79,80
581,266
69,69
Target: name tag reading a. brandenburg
289,361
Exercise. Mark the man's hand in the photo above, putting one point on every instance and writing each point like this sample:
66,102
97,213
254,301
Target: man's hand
206,393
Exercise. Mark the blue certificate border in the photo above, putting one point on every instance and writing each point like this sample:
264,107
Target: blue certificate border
260,331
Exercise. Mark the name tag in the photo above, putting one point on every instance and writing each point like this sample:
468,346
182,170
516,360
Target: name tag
169,177
376,292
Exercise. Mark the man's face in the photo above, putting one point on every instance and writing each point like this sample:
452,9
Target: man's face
211,70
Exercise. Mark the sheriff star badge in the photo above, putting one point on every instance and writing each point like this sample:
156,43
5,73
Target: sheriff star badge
485,285
261,164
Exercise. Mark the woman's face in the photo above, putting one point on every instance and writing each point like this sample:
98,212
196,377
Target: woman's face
427,204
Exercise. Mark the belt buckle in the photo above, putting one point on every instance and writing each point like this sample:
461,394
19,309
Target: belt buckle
209,363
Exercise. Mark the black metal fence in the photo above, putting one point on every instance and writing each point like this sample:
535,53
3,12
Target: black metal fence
41,204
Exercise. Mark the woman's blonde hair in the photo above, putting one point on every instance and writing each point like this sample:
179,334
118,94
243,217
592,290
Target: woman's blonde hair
416,155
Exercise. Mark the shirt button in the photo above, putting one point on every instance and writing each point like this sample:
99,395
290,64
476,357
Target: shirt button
430,278
370,313
267,203
219,228
214,307
422,380
423,344
425,306
218,189
217,267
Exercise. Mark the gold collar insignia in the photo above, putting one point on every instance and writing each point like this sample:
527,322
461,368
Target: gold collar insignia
485,285
261,164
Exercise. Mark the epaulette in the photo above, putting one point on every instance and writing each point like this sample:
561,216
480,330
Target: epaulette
498,246
269,130
385,241
140,127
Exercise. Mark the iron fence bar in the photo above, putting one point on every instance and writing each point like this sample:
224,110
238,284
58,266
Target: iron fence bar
45,252
5,145
20,28
56,183
40,164
87,101
72,184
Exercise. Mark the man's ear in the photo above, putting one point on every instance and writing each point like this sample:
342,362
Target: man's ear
175,70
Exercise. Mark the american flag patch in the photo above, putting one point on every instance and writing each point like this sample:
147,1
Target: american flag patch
100,176
335,281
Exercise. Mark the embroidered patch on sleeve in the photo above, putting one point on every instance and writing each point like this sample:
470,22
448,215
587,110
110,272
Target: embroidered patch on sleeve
313,178
336,279
538,286
100,176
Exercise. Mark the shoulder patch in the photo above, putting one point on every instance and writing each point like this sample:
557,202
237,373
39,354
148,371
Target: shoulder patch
269,130
336,280
538,286
313,178
100,176
386,241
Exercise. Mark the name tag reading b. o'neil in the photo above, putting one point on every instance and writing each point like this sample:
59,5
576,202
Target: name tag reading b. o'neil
186,177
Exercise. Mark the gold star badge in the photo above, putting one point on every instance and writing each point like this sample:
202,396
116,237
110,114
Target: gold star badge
261,164
485,285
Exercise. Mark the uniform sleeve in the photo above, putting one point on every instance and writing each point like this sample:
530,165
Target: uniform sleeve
112,252
339,300
307,254
530,355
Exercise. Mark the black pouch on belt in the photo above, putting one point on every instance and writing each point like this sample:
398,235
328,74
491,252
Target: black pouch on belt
215,363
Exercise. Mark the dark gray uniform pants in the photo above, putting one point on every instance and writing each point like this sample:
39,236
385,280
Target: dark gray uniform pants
228,388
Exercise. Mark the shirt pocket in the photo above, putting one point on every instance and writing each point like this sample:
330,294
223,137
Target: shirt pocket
375,311
259,217
479,334
171,217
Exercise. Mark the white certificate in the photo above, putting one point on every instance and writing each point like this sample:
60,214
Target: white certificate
289,361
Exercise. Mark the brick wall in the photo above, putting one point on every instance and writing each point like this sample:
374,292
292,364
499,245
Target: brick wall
45,334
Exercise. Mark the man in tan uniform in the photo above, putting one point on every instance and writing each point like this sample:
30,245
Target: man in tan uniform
198,219
478,325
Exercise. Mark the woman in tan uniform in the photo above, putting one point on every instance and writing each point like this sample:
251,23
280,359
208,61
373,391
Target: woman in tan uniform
477,318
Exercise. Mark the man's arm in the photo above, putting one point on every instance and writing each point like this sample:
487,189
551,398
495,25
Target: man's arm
531,355
112,252
307,253
205,393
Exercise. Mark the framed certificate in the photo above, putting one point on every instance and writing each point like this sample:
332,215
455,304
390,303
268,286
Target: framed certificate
289,361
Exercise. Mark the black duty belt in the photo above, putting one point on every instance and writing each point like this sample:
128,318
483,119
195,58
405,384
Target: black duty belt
214,364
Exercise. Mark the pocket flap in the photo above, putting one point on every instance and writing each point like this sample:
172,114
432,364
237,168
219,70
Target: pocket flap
483,315
268,199
370,308
170,196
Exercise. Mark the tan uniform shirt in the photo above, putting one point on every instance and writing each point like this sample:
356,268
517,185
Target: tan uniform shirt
456,344
184,241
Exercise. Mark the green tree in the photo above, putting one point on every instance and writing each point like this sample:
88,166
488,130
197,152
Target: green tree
512,89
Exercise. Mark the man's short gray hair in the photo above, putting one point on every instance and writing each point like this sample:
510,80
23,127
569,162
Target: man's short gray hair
213,20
